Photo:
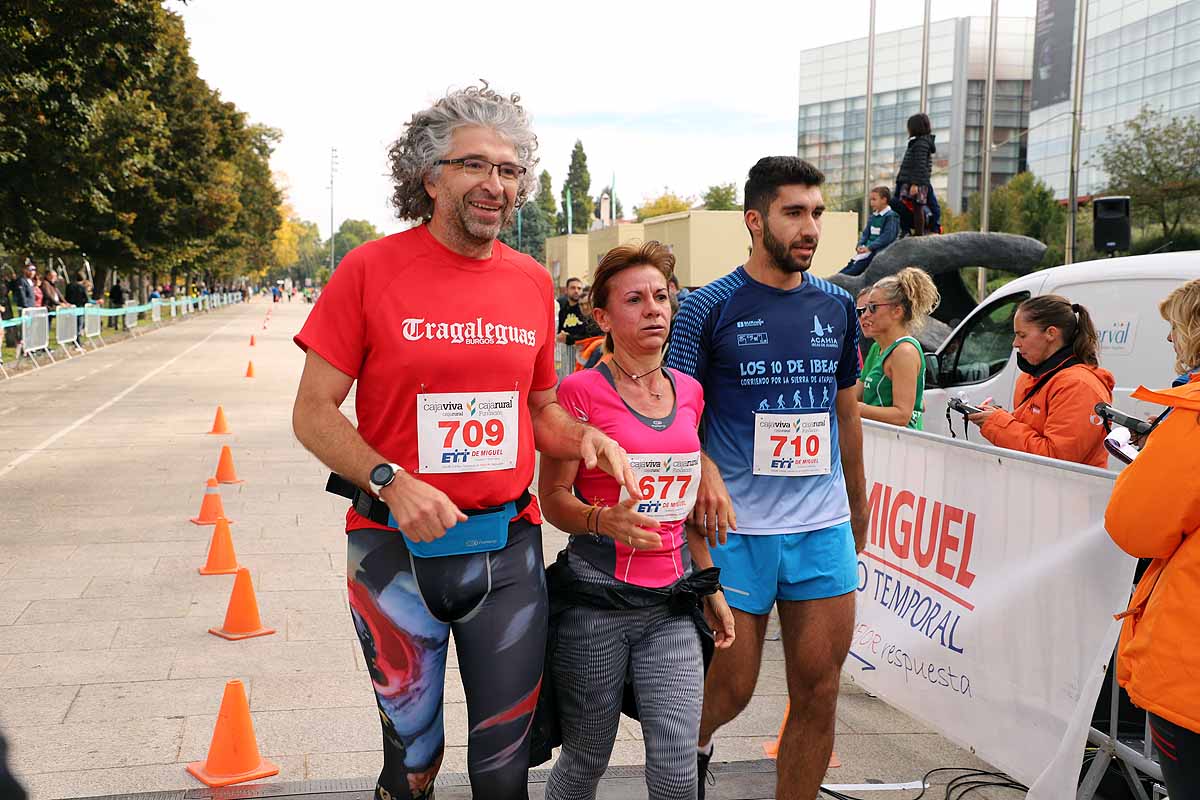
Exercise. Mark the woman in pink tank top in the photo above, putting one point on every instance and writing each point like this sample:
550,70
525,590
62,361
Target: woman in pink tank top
637,549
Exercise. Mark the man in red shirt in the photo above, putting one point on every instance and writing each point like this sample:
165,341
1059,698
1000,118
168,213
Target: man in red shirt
450,336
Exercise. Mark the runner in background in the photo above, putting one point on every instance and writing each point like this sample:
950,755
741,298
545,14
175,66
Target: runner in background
626,543
776,352
456,387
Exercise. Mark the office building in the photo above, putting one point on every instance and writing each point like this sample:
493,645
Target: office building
832,113
1138,53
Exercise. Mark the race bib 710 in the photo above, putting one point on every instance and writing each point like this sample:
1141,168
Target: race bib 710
791,445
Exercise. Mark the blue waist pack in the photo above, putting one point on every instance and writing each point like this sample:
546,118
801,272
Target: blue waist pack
484,531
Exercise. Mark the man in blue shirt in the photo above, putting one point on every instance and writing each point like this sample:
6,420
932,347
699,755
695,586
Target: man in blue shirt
782,490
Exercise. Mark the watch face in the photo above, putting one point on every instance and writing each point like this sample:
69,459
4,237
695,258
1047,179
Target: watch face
381,474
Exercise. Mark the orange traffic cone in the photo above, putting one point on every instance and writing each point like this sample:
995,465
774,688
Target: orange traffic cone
241,617
210,506
250,369
252,340
225,470
221,558
771,749
233,753
219,424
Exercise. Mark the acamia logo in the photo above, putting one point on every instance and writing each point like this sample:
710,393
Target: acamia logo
476,331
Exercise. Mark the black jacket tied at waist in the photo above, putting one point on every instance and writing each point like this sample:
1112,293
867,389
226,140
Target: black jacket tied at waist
566,590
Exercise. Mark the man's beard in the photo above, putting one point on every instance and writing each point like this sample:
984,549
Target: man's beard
482,231
781,255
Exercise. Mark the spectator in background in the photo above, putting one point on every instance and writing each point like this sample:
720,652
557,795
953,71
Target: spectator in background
77,291
116,299
77,295
37,285
916,170
570,316
8,283
24,294
51,297
892,386
882,228
1055,398
676,295
1154,512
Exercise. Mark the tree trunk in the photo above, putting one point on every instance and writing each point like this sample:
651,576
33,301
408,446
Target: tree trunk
100,272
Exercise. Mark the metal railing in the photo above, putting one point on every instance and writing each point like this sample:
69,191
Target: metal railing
1136,765
66,328
35,334
79,326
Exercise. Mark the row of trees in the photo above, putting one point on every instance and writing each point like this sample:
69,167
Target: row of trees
111,145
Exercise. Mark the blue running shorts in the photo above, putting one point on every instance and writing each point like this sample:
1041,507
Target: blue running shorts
756,570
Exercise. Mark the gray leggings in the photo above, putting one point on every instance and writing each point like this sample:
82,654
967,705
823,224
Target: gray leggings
594,651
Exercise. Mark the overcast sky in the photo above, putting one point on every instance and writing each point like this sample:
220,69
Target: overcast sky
676,95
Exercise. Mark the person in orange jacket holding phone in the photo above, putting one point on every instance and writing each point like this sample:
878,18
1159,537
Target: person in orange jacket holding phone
1154,513
1055,399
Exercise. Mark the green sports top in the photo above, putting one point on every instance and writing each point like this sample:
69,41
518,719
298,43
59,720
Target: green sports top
877,386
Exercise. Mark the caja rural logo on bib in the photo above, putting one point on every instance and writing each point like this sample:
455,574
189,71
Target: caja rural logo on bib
917,565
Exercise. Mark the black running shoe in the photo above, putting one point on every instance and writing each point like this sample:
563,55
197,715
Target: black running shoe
703,774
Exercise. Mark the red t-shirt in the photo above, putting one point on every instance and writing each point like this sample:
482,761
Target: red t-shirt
405,316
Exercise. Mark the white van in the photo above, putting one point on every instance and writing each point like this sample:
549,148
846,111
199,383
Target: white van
978,362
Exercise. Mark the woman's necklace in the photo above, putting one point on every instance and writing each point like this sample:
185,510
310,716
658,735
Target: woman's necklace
637,378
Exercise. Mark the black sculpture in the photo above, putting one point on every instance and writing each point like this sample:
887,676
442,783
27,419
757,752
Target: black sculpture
943,257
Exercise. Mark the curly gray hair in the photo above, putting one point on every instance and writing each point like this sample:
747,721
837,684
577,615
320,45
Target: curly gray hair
426,139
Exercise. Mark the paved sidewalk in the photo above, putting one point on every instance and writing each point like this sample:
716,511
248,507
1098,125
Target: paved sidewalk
109,681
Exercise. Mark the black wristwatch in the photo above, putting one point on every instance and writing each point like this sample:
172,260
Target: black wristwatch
382,475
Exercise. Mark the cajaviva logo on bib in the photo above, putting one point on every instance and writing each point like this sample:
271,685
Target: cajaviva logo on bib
474,332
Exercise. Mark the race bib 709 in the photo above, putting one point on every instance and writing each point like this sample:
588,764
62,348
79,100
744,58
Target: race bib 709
467,431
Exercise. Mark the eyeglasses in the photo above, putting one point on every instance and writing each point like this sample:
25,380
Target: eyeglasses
870,308
482,168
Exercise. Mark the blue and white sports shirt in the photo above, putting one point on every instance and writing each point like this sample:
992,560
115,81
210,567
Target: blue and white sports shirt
757,348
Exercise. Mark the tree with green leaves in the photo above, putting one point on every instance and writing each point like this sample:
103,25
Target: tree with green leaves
62,66
545,197
112,145
1155,159
350,234
1024,205
534,228
666,203
579,182
721,197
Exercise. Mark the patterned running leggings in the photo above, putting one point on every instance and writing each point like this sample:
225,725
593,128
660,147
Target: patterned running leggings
404,610
594,651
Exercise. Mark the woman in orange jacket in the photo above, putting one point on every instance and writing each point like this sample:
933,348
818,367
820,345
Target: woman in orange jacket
1154,513
1054,403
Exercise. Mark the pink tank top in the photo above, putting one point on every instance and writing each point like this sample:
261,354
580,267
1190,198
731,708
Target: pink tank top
590,397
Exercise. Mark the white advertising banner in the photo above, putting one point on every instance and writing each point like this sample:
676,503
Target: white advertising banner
985,598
